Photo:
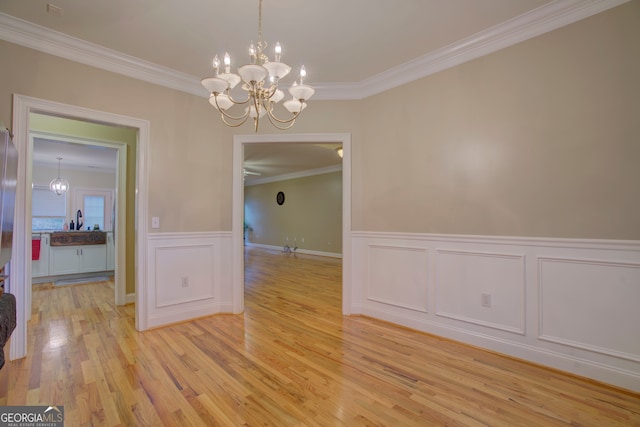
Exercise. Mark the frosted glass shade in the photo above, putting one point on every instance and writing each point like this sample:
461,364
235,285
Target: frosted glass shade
253,73
277,69
233,79
223,101
303,92
295,106
58,186
277,96
215,84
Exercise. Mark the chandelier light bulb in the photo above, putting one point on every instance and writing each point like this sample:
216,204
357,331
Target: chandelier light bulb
216,64
278,52
252,53
303,74
227,63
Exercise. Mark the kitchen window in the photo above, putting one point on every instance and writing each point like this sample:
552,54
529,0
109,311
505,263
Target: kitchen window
97,208
48,210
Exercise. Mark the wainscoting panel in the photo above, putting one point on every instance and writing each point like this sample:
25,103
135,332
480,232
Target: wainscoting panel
187,276
398,276
482,288
600,294
570,304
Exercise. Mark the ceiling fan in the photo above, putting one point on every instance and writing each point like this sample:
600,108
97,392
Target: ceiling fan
248,172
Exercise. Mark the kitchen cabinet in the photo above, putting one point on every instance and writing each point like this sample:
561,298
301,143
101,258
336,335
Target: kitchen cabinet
77,259
40,266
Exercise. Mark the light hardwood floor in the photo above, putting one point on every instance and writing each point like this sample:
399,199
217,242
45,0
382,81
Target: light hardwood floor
291,359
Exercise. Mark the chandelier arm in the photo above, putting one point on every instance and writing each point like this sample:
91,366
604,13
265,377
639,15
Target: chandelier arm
231,117
276,123
224,114
281,121
239,102
240,123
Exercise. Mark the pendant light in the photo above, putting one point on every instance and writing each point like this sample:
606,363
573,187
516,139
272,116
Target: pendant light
58,185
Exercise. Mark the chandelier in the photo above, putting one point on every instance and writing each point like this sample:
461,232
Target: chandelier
260,80
58,185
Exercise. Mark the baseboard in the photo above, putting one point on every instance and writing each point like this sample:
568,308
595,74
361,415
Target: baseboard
296,251
569,304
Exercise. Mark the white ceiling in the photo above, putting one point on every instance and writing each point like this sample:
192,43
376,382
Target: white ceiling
73,155
350,48
337,40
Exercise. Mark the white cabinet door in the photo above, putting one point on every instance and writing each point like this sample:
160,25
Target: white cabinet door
64,260
40,267
77,259
94,258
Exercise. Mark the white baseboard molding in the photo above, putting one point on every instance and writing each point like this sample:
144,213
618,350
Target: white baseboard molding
619,377
297,251
130,298
569,304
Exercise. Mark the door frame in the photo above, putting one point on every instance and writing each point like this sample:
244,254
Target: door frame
120,291
237,222
20,267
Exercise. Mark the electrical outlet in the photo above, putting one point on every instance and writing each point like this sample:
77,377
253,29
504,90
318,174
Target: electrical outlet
185,282
486,300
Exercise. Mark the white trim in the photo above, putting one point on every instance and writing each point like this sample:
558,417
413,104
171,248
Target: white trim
22,106
295,175
539,21
238,207
607,353
24,33
297,251
623,245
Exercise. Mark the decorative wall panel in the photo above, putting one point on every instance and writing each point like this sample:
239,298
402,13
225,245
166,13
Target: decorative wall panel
482,288
593,305
398,276
571,304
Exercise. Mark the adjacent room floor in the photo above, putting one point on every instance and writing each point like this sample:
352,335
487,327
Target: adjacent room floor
291,359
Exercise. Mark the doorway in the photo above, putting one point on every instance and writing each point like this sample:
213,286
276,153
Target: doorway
239,142
93,155
23,106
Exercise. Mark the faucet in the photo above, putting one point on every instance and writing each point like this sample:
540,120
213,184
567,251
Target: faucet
78,223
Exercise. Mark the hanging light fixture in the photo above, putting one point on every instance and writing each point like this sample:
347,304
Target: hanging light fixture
260,82
58,185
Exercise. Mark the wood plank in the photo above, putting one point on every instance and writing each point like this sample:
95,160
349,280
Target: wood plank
291,359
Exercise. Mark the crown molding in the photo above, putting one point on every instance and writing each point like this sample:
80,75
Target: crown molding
295,175
546,18
36,37
536,22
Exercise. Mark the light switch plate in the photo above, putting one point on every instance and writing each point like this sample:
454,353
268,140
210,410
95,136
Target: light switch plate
155,222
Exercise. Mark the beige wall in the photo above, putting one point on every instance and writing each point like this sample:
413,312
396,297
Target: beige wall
312,211
540,139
